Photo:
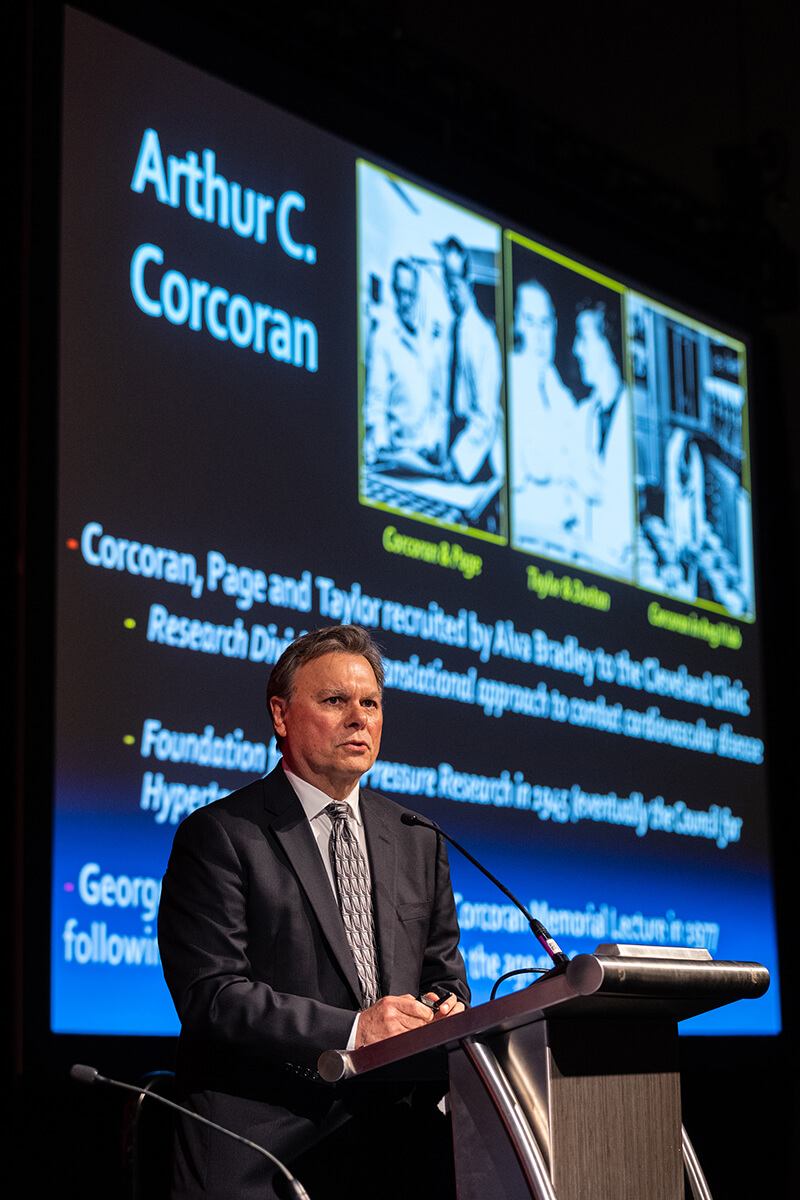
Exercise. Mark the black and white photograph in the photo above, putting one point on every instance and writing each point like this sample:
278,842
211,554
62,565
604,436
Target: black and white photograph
695,525
433,430
571,479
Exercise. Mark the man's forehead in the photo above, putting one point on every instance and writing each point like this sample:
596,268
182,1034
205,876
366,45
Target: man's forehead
406,279
454,263
587,323
337,669
535,301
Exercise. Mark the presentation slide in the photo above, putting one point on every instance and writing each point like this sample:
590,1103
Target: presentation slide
299,386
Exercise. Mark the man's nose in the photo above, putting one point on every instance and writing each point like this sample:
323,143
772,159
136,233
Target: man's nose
356,715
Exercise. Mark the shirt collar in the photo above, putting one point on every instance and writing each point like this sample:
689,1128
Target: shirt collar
315,801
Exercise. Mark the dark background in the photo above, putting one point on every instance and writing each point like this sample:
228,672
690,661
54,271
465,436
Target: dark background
674,131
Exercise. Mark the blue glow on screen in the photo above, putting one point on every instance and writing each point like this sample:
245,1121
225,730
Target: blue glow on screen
105,972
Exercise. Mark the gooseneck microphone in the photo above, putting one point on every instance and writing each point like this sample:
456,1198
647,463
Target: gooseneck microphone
539,932
83,1074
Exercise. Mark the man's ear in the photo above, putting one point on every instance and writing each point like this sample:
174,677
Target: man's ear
277,707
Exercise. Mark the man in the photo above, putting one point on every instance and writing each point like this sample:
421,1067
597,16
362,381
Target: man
255,947
543,414
684,513
607,477
404,402
476,429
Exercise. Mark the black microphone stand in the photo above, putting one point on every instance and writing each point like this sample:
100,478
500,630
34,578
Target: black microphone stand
539,932
90,1075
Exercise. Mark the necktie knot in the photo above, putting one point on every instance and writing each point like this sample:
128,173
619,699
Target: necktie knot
338,812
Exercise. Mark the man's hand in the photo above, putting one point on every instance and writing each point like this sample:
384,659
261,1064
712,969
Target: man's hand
389,1016
447,1007
397,1014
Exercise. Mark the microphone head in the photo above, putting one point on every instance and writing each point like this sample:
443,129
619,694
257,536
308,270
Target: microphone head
409,818
82,1074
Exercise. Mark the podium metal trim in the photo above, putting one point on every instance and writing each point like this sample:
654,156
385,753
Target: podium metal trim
513,1117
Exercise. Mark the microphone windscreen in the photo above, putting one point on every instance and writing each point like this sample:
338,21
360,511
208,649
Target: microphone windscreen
83,1074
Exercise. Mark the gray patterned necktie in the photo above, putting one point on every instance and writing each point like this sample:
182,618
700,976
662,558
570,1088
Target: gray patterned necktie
355,902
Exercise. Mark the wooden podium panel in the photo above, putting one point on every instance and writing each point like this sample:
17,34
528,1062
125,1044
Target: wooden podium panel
603,1100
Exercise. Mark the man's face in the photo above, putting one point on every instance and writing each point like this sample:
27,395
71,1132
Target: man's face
405,290
590,349
331,727
457,287
536,323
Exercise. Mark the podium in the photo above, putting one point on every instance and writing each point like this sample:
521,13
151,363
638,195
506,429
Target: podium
570,1089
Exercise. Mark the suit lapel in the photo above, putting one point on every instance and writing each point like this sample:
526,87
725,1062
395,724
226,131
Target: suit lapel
383,869
290,826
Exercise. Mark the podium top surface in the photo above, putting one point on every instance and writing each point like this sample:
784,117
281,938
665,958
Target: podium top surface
611,985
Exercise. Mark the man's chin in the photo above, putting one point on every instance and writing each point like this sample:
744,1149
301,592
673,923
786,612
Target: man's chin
358,759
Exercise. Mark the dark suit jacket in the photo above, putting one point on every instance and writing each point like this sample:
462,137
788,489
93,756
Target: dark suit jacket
257,961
